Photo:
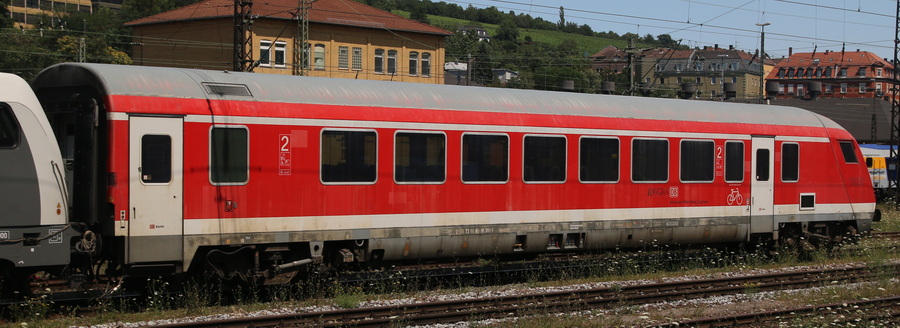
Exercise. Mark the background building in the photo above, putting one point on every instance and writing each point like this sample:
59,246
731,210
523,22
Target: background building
831,74
346,39
710,71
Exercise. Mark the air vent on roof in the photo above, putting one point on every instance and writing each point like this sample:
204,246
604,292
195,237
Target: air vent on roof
227,89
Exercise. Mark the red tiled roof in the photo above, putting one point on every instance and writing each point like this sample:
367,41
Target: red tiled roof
339,12
831,58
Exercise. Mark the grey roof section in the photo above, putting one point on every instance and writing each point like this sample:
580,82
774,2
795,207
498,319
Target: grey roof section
187,83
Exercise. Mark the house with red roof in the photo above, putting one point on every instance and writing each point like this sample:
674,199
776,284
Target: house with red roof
346,39
830,74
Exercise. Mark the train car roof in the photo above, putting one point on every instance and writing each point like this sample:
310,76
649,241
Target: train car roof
190,83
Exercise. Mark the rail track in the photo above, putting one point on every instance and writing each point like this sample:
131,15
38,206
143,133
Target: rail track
554,302
887,234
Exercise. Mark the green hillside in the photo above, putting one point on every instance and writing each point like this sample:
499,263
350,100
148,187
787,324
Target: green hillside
588,44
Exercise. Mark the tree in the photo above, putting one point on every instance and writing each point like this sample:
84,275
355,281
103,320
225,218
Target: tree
562,17
5,20
508,31
666,41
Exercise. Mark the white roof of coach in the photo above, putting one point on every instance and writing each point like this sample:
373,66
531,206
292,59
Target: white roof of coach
188,83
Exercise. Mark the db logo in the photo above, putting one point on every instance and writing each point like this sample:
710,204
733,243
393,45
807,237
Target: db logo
152,226
673,192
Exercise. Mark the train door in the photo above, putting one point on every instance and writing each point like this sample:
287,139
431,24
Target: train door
762,186
155,189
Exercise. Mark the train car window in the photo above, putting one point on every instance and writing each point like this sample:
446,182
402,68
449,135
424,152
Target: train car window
790,162
734,161
698,160
156,158
848,151
9,127
869,162
544,159
599,160
485,158
650,160
762,165
229,155
419,157
349,156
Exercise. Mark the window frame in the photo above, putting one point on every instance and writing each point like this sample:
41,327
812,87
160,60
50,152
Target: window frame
210,154
394,172
426,64
378,65
265,53
343,57
618,159
280,54
144,165
5,109
632,158
862,87
391,62
565,158
323,56
783,153
852,151
462,139
681,161
357,58
322,157
413,63
743,161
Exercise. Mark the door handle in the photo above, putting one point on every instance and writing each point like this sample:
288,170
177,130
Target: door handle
134,213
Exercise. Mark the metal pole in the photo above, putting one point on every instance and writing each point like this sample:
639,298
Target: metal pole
762,60
893,183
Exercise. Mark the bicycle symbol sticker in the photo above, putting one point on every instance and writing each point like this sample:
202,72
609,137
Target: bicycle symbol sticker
735,197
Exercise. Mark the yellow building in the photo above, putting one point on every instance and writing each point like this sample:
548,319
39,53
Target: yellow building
31,13
346,39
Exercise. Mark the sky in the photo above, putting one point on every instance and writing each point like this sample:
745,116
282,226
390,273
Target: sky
804,25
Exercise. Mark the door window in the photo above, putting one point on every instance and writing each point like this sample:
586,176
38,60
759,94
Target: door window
156,158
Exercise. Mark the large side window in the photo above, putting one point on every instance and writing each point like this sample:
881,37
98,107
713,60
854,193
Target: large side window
599,159
485,158
419,157
9,127
650,160
697,160
544,159
229,155
348,156
734,161
848,151
790,162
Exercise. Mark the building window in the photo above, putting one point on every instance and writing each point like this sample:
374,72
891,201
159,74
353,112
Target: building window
650,160
843,87
790,89
862,87
698,80
319,57
879,71
828,72
818,72
357,58
697,160
712,80
280,47
426,64
544,159
781,88
862,72
348,156
379,61
734,161
781,73
265,53
343,57
790,162
392,62
878,88
828,89
419,157
790,73
800,90
662,80
413,63
485,158
843,72
734,79
229,159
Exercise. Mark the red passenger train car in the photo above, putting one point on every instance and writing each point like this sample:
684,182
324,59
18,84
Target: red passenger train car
251,175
